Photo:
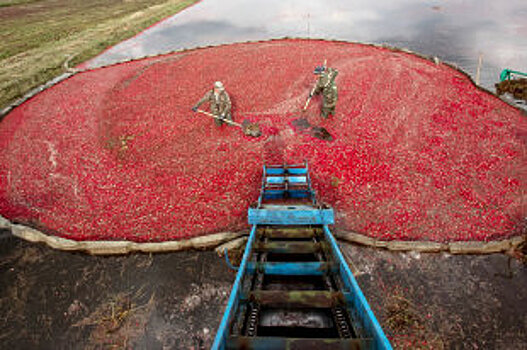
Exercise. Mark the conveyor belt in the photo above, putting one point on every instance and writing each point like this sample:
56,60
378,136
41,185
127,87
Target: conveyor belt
294,289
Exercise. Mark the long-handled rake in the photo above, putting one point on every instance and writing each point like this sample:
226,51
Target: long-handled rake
248,128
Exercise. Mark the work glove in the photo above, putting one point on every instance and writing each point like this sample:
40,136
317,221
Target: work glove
194,109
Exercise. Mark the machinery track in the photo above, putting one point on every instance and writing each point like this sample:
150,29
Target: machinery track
294,289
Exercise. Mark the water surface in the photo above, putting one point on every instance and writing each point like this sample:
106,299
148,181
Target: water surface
51,299
458,32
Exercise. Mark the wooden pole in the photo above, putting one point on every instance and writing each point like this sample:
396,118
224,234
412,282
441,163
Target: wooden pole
478,71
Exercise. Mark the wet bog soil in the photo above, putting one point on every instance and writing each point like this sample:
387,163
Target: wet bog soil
56,300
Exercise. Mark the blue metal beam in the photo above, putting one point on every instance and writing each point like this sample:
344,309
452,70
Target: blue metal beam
291,217
221,336
358,301
290,268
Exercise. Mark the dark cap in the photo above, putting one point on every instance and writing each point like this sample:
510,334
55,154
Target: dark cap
319,69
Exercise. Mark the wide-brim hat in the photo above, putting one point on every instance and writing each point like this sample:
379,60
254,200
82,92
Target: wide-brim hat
219,85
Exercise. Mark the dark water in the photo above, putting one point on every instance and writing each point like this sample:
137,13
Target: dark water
444,301
59,300
458,32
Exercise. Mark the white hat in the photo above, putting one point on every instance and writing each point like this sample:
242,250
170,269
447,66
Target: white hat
219,85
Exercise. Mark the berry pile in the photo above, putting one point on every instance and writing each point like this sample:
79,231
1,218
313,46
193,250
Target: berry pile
418,152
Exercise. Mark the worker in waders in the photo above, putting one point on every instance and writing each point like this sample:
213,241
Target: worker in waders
220,103
328,88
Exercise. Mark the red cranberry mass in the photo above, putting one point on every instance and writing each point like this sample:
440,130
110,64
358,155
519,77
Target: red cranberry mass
418,152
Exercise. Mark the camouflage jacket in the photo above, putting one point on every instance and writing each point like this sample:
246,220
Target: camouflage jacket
219,104
327,86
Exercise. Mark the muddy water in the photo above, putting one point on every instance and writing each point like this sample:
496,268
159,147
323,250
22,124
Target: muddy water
58,300
454,31
443,301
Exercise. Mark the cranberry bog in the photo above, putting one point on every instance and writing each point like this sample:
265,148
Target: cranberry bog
418,152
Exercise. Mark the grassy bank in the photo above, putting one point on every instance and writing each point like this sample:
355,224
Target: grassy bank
38,36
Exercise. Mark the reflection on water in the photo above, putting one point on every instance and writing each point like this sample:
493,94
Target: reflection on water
455,31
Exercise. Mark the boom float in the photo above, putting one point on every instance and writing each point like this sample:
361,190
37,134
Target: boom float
293,289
